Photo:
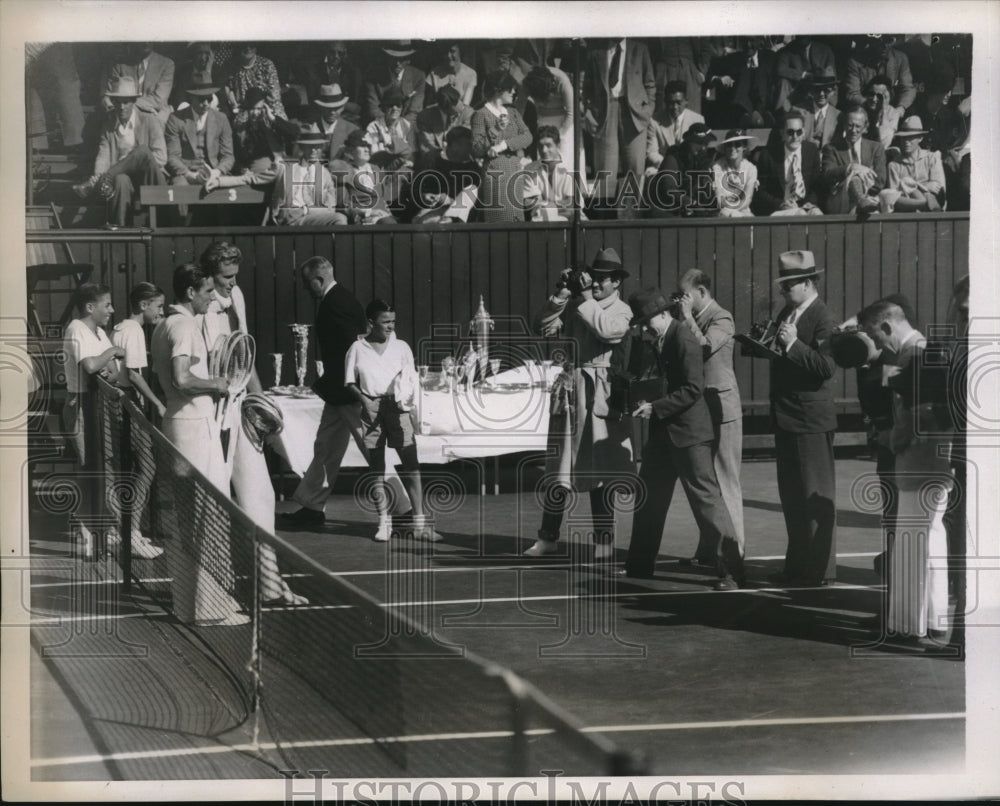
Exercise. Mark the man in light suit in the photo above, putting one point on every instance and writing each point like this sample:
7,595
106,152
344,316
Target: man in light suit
822,118
667,130
853,168
679,447
619,93
199,140
550,188
713,328
153,74
398,73
331,102
804,421
132,152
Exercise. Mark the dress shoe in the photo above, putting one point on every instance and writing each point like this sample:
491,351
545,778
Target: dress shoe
542,548
725,584
302,518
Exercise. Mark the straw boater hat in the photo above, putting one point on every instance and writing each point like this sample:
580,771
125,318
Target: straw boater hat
699,133
735,136
911,127
646,304
331,96
399,49
797,265
202,89
123,87
607,262
309,135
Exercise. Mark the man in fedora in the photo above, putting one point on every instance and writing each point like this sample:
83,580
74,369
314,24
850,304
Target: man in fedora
684,184
131,153
434,123
153,75
199,140
588,450
804,421
916,180
397,73
330,102
788,172
679,447
334,66
853,167
304,192
823,118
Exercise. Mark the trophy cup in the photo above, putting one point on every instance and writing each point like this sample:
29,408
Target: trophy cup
300,333
277,358
480,328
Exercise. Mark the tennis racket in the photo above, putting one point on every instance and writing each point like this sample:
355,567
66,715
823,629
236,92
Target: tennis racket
231,358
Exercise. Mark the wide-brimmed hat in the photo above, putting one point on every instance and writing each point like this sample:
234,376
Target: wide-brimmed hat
356,138
735,136
392,97
123,87
821,81
331,96
607,261
646,304
399,49
309,135
698,133
910,127
200,89
799,264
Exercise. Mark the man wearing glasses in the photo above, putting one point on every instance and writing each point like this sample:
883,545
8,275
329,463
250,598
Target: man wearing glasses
853,168
804,421
822,120
788,172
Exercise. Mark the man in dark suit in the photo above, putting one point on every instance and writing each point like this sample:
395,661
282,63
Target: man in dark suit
788,172
398,74
679,446
199,140
684,184
853,168
331,102
340,319
822,118
797,64
741,84
804,421
619,94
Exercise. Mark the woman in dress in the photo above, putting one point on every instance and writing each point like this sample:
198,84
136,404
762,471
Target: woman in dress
499,137
734,176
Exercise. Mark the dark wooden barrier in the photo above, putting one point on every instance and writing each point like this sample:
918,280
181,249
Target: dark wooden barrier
434,275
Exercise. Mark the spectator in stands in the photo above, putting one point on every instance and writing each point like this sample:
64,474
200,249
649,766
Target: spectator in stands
684,185
499,137
931,57
916,181
331,102
199,141
789,171
948,132
735,176
877,57
434,123
682,59
452,73
743,86
797,65
197,70
359,184
335,68
550,93
153,75
132,152
305,194
397,73
54,94
618,96
668,125
551,187
821,117
853,167
446,190
883,117
259,137
392,137
253,70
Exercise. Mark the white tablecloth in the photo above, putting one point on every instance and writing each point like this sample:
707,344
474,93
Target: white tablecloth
472,424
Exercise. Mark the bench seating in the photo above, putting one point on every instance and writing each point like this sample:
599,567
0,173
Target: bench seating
163,195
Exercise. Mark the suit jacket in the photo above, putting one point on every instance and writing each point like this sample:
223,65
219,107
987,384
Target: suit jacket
896,68
714,329
156,84
792,62
681,415
770,193
802,379
148,132
411,85
282,197
751,90
831,125
182,133
340,319
836,159
660,136
638,87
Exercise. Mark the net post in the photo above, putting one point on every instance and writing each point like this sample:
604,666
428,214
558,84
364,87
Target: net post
519,702
128,504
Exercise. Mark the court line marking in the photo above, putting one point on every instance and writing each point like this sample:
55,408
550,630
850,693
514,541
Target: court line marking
500,734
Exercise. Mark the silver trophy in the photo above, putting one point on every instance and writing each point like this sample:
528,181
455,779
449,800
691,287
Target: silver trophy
277,358
300,334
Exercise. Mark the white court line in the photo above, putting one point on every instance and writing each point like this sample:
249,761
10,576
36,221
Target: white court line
84,582
68,619
502,734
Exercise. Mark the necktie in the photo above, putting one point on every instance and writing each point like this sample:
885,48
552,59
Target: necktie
798,183
792,317
142,76
818,126
616,62
677,129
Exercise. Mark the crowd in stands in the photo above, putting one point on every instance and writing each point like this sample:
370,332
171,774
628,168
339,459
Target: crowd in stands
484,130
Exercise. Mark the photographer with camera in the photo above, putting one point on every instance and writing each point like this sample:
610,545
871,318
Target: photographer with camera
587,447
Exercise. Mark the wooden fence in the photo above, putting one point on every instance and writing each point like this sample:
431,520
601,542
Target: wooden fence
435,275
